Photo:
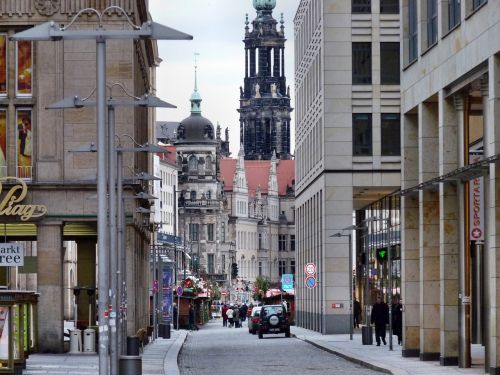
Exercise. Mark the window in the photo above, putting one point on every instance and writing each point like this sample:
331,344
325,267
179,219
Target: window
453,13
210,232
3,65
24,142
391,134
24,82
361,6
292,242
260,241
431,22
361,63
260,269
389,69
223,262
208,164
412,30
282,267
194,232
282,242
223,231
477,3
192,195
389,6
210,263
208,194
292,266
362,134
193,164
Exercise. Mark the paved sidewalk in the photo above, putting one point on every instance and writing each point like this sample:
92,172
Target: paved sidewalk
381,358
159,357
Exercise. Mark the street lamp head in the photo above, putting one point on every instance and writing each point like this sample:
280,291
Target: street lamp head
160,32
143,176
38,33
337,235
143,195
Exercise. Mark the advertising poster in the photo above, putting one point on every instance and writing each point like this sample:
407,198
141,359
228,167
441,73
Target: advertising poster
3,143
3,65
24,143
4,332
24,69
166,292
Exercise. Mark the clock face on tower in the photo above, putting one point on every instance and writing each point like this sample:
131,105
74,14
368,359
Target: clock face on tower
264,4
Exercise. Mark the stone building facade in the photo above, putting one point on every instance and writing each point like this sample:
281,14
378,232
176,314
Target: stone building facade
450,88
36,145
347,141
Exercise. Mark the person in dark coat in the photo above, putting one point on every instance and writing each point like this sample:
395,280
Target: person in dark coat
192,324
224,315
243,312
174,315
397,319
380,317
356,312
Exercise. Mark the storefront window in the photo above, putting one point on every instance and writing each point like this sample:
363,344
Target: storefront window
24,68
3,65
24,143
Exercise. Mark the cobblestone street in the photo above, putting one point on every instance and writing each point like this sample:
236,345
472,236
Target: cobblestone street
216,349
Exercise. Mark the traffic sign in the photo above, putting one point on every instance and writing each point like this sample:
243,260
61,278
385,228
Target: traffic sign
311,282
179,291
310,269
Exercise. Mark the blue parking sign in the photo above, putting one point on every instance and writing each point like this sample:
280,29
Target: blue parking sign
287,281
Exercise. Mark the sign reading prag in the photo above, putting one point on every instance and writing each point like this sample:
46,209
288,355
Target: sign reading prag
10,203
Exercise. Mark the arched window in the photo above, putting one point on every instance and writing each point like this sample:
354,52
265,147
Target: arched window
193,163
208,164
192,195
208,194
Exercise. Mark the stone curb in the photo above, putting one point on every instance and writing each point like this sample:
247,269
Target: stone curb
170,364
373,365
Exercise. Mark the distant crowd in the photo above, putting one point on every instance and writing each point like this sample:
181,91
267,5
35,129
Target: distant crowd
234,315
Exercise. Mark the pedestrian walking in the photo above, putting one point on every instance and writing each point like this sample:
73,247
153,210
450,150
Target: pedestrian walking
356,312
192,324
243,313
224,315
380,317
236,317
397,319
230,315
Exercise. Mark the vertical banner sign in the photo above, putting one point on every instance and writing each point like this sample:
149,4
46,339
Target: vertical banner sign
3,143
476,205
166,295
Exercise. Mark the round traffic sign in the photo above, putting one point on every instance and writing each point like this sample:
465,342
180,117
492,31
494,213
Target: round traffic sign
310,269
179,291
310,282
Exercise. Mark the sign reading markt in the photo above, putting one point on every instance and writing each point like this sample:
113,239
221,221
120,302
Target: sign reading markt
11,255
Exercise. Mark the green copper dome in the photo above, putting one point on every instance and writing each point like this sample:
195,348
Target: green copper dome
264,4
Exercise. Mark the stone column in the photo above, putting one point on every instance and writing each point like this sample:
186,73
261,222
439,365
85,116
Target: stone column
493,211
50,286
86,278
410,275
448,233
428,232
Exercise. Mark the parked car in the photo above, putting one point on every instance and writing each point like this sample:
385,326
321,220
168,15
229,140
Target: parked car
253,320
273,319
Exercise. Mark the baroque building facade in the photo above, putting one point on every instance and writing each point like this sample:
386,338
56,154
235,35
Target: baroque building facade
264,98
36,144
347,144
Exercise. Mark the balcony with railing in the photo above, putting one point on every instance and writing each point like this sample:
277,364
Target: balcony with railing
199,203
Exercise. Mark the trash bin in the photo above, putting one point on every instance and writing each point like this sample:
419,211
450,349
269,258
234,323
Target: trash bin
133,346
130,365
89,341
75,341
367,335
164,330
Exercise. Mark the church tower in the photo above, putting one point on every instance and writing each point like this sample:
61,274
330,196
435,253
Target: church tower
265,99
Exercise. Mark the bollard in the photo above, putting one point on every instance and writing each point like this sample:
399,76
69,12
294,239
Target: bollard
133,346
75,343
366,335
130,364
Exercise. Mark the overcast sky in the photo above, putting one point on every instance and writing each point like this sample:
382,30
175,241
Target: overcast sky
217,27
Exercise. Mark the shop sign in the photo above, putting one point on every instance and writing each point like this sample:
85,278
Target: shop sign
10,203
476,206
11,255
